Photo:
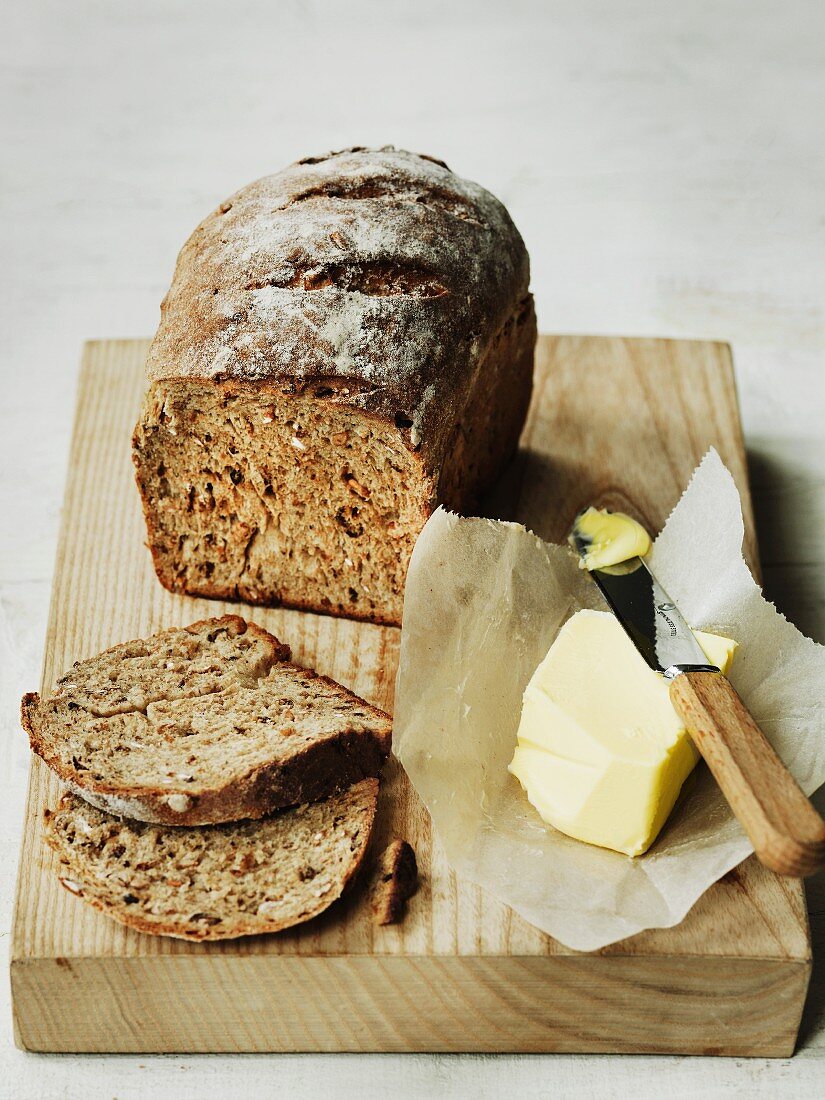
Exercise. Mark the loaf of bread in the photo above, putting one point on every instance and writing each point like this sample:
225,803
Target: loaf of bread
209,723
216,882
345,346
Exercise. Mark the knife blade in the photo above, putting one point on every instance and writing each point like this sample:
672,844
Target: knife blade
653,621
787,832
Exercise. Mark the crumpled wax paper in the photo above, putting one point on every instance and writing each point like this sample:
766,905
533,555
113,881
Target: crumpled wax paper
484,601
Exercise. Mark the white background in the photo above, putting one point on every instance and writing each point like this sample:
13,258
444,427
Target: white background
666,165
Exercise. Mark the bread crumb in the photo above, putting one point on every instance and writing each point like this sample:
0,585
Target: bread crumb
395,880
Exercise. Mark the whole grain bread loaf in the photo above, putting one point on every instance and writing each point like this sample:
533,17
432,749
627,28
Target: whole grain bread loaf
345,345
219,881
205,724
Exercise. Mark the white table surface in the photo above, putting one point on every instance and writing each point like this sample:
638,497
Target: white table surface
666,166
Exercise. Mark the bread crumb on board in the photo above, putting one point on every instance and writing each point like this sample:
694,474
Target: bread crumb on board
395,881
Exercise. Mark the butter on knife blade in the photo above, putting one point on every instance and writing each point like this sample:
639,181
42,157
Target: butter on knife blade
604,538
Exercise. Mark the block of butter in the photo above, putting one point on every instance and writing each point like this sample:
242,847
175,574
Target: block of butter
602,754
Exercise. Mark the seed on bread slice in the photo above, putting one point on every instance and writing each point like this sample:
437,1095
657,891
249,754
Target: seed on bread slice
216,882
204,724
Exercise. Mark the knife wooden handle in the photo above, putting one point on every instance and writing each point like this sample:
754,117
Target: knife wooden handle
787,833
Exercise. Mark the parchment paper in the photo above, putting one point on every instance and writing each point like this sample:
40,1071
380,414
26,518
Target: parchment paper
484,601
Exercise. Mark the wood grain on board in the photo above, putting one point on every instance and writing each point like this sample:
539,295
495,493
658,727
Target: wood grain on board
619,421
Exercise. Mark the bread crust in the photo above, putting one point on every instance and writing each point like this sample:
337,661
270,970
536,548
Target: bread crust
314,773
406,299
393,350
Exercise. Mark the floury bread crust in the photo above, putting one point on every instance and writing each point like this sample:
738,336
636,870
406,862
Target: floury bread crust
345,345
220,881
205,724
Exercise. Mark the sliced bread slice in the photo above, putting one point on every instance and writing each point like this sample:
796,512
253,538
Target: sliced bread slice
202,725
220,881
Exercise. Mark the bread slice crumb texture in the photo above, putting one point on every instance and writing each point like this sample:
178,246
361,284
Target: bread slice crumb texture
216,882
203,725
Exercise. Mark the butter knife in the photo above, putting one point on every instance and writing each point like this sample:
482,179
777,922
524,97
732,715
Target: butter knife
787,833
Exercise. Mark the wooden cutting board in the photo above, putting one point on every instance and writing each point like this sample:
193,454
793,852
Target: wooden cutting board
620,421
